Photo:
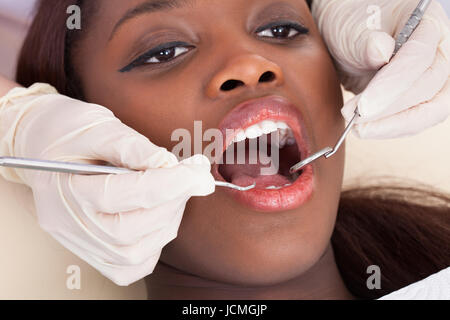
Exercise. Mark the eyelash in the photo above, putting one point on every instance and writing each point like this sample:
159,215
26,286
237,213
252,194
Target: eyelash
291,25
148,56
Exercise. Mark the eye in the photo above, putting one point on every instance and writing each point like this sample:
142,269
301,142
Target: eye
160,55
281,30
167,54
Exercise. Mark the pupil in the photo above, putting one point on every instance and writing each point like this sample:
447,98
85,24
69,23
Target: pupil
280,31
166,54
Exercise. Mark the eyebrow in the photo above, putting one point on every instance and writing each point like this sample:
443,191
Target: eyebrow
147,7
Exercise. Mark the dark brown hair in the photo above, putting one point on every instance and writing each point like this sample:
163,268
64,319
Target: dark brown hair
404,231
54,45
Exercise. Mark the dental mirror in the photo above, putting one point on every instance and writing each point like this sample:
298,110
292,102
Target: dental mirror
328,151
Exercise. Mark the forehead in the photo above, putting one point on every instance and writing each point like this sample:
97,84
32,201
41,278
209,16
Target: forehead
114,13
130,8
173,4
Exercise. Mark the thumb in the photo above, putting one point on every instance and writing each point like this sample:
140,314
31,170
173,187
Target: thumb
379,48
348,110
372,51
205,183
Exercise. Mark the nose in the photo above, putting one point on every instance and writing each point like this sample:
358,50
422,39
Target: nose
246,71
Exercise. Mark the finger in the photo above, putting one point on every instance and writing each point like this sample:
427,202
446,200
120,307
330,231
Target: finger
130,274
125,276
128,228
396,79
379,49
122,275
122,146
348,110
409,122
144,189
94,133
82,240
147,246
425,89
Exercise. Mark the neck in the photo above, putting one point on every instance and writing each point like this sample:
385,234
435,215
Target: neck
322,281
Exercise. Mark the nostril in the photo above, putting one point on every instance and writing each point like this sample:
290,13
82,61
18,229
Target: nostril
231,84
267,77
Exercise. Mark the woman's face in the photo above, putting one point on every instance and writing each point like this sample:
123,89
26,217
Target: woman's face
222,54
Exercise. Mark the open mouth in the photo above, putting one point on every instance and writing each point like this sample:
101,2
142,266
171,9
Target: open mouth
268,138
262,155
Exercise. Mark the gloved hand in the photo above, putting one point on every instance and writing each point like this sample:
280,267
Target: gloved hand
116,223
412,92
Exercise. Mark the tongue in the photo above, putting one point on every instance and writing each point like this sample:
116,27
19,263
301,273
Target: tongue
262,182
247,174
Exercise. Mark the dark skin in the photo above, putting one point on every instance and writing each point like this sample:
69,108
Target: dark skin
225,250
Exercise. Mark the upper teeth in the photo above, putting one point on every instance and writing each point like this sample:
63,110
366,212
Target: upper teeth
285,135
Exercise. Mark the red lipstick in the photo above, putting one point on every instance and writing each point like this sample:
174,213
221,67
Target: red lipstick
285,192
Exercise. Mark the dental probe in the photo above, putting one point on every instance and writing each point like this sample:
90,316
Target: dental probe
83,169
402,38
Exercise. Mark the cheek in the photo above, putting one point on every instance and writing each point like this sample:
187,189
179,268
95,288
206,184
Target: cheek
153,110
315,79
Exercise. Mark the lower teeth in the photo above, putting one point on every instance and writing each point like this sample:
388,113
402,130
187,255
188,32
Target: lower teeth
277,188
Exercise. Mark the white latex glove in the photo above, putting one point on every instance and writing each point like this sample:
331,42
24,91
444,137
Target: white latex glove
116,223
412,92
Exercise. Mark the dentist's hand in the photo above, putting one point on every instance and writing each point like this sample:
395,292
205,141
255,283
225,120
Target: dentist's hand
412,92
116,223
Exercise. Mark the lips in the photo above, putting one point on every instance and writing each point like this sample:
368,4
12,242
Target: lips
278,191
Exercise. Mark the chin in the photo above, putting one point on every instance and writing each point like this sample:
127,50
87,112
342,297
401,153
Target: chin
253,265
